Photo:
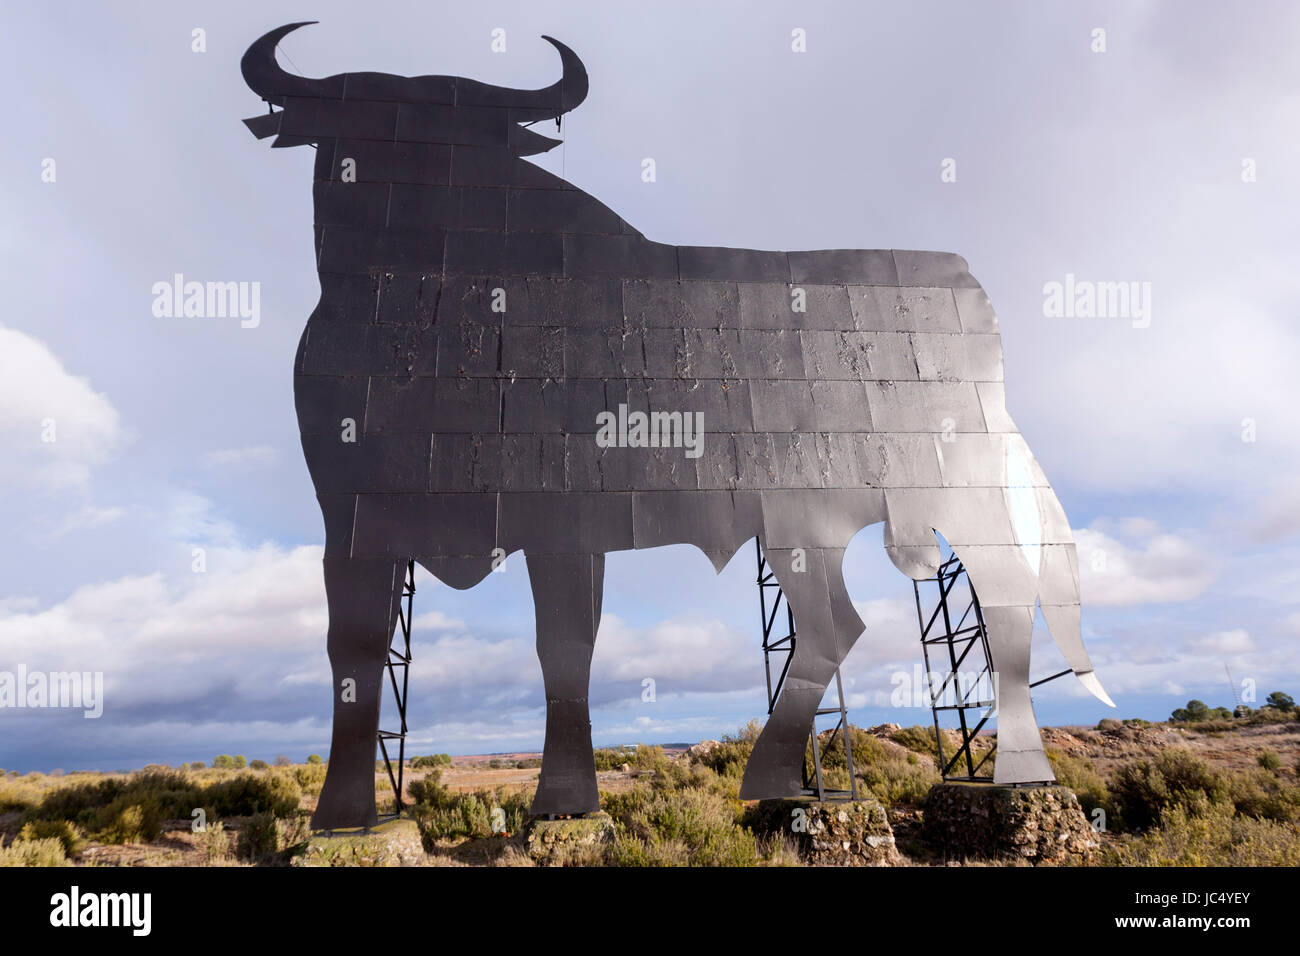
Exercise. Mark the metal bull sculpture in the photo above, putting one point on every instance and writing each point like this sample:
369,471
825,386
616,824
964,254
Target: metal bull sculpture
499,363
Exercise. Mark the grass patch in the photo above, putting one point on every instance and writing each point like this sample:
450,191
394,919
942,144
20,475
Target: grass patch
131,809
46,852
444,814
1210,836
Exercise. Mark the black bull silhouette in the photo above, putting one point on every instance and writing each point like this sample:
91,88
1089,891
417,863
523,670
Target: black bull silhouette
479,317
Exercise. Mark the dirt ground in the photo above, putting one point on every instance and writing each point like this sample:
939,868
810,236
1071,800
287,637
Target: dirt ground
1234,750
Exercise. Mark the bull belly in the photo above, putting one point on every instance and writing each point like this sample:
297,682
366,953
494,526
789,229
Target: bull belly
467,532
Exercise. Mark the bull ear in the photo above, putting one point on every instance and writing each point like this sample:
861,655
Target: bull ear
524,142
268,124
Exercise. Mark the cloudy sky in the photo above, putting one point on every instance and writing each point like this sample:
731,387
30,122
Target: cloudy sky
1167,159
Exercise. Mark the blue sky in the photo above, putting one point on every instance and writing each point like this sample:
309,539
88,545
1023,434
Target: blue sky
174,434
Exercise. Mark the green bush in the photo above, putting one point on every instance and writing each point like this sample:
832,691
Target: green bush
866,749
920,739
131,809
68,834
47,852
197,765
314,759
259,838
1269,760
1280,701
1211,836
1079,775
213,842
310,777
428,789
607,758
266,838
1143,790
19,793
731,755
259,765
900,779
125,821
1261,794
443,814
640,758
686,827
430,762
275,792
1197,711
1271,715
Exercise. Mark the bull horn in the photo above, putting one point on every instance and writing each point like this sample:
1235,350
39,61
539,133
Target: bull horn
265,77
564,94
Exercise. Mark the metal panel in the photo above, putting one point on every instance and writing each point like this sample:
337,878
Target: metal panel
520,366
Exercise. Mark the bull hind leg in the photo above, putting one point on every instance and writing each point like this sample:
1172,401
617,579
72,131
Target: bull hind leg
826,626
363,597
567,591
1008,588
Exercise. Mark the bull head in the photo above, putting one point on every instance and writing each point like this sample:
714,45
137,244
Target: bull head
429,109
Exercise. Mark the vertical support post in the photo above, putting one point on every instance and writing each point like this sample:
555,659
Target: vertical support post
399,658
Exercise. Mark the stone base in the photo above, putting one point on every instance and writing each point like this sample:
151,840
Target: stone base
394,843
556,842
1035,824
832,833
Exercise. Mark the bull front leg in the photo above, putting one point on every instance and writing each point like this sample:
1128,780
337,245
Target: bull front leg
363,597
567,590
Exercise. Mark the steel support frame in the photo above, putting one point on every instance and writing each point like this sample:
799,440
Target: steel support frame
782,647
960,636
399,658
957,637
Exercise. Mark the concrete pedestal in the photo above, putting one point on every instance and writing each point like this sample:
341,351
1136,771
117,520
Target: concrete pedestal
832,833
1034,824
556,842
395,843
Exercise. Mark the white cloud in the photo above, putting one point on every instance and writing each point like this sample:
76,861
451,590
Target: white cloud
680,654
256,618
436,621
85,518
1235,641
9,605
1278,513
39,401
1149,568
